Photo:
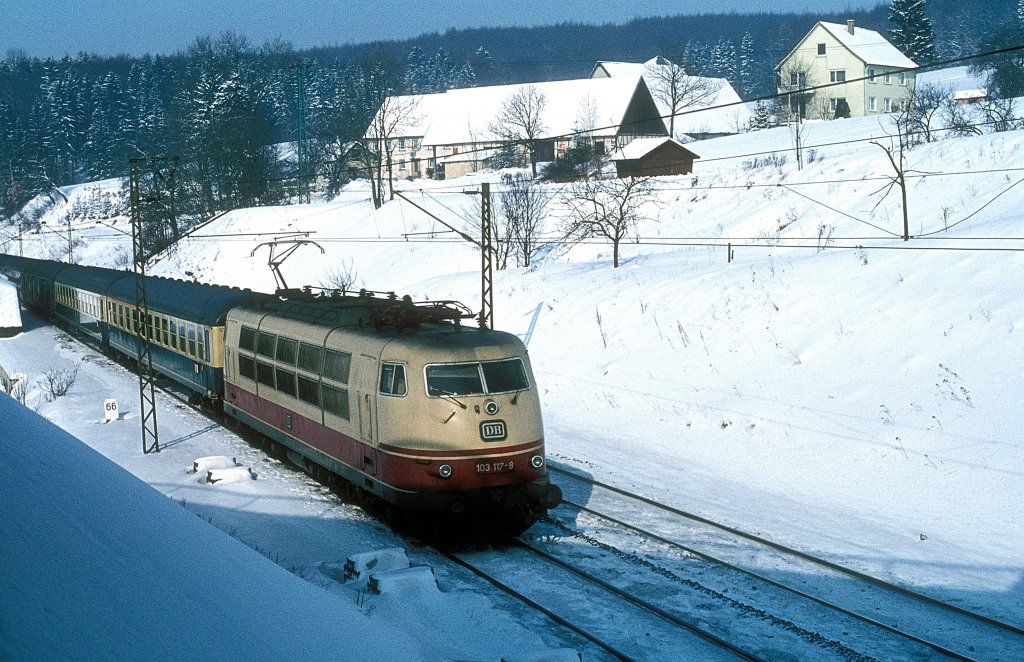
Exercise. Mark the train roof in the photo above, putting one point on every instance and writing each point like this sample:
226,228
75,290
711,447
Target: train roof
13,262
197,302
366,309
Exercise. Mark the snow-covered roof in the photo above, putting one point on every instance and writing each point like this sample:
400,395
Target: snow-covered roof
465,115
966,95
869,46
723,111
641,147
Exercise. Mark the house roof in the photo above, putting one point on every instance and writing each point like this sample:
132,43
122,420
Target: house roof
721,112
869,46
641,147
465,115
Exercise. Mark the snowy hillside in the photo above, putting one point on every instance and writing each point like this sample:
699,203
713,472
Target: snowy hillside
831,386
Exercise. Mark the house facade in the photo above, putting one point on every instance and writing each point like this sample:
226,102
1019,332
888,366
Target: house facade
452,133
844,71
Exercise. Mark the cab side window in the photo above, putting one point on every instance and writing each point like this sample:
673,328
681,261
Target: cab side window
392,379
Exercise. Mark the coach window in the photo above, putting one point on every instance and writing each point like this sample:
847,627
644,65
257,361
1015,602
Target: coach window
191,341
265,344
247,339
174,334
335,401
286,382
336,365
265,374
163,328
247,367
392,379
310,358
309,390
287,350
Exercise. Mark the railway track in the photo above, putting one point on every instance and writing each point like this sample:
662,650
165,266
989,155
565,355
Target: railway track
813,586
672,611
619,624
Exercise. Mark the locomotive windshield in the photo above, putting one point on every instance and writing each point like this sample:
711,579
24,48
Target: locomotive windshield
477,378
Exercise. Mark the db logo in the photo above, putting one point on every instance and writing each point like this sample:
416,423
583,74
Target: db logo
493,431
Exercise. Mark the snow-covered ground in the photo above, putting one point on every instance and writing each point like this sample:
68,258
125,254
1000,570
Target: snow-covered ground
832,386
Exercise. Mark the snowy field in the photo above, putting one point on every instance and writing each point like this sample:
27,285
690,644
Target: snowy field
831,387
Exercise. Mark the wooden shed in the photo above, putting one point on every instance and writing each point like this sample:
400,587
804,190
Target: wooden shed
650,157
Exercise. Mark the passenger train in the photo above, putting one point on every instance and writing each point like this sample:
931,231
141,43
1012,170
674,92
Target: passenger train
399,399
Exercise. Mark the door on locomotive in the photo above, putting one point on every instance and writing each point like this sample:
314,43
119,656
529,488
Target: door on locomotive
366,395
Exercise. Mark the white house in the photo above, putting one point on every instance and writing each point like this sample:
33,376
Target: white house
838,66
448,134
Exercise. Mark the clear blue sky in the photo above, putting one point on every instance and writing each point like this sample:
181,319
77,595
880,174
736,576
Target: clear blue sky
53,28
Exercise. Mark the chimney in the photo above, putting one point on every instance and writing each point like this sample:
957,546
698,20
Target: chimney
849,25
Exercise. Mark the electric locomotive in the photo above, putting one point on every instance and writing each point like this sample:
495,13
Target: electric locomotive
399,399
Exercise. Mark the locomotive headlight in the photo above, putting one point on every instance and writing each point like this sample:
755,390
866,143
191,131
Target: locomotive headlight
537,461
491,407
444,471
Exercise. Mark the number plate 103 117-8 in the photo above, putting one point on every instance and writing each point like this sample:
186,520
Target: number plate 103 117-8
495,467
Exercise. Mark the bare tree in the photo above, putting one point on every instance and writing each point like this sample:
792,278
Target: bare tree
677,90
521,120
1000,115
957,119
608,208
898,160
394,114
925,102
523,207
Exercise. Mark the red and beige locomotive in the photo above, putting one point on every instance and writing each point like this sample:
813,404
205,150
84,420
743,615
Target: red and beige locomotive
398,398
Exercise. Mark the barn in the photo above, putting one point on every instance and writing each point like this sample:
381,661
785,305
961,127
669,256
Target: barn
650,157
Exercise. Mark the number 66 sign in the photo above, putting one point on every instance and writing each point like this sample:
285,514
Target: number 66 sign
109,410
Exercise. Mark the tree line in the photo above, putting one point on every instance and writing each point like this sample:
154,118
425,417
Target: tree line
256,125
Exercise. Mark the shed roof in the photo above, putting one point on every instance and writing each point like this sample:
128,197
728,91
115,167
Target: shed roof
641,147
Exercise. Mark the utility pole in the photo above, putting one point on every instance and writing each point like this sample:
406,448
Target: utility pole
486,260
142,323
303,141
486,249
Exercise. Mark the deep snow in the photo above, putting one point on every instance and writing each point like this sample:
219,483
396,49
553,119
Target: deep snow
831,386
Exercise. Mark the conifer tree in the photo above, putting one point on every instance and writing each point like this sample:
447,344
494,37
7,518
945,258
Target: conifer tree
912,30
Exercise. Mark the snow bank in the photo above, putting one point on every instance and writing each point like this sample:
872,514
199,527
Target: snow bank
128,590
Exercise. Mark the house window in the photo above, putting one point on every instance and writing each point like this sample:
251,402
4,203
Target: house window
401,143
837,76
871,74
832,104
401,164
887,105
798,79
872,104
821,49
887,78
903,78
